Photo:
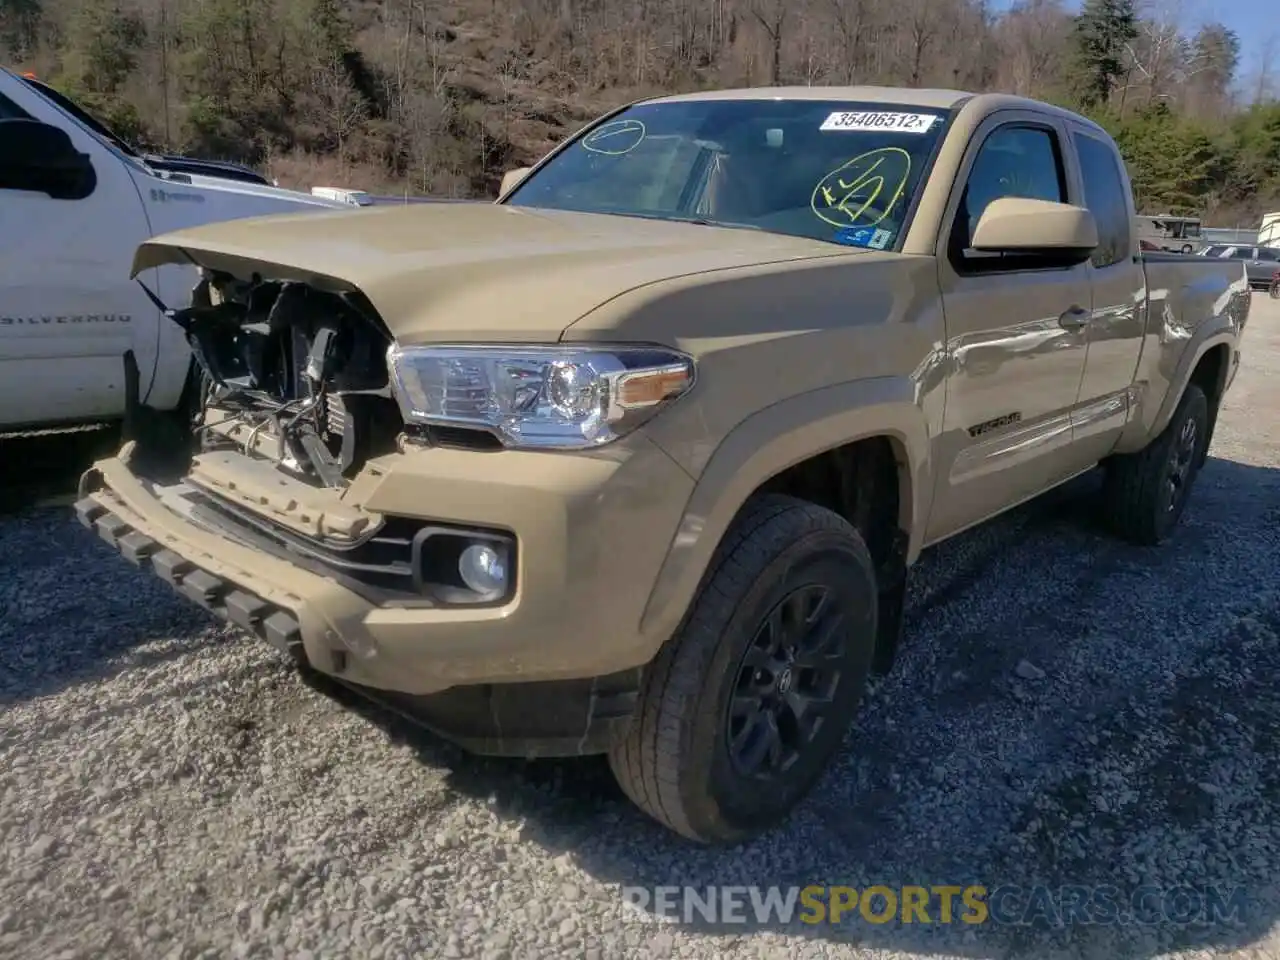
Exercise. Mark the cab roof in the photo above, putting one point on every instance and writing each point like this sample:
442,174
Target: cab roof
936,99
926,98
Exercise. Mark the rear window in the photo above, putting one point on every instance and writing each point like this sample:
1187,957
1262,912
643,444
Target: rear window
1104,196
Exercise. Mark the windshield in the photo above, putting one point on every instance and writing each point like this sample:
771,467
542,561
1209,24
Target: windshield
829,170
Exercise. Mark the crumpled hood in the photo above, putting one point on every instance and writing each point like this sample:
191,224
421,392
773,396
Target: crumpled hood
480,271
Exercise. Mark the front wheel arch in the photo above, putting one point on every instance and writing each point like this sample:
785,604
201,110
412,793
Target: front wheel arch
769,443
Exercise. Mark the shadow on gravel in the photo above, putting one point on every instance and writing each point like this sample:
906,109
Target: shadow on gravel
72,611
1133,772
33,468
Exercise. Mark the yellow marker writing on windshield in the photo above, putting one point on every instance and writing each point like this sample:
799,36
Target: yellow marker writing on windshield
849,193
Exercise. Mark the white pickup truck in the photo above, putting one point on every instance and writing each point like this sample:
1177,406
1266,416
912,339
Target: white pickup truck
74,206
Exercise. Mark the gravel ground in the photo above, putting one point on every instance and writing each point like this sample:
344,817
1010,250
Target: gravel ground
1068,710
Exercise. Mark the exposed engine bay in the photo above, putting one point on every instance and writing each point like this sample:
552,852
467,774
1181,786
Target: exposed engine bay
301,368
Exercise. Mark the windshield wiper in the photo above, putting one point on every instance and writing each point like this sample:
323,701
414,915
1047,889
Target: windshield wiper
677,218
708,222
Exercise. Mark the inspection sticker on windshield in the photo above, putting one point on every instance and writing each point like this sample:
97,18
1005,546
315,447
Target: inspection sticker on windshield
880,120
871,237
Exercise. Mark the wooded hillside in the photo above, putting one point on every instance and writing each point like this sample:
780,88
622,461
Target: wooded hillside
439,96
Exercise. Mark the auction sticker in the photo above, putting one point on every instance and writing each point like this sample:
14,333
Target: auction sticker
880,120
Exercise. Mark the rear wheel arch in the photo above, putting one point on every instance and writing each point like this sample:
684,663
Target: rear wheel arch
1207,364
1210,375
1210,372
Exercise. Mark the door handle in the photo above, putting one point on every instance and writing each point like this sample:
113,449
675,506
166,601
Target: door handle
1074,319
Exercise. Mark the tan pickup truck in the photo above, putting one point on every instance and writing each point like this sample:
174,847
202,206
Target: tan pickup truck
636,459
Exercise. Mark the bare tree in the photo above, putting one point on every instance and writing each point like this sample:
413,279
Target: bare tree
1031,51
1264,78
1160,54
771,15
920,23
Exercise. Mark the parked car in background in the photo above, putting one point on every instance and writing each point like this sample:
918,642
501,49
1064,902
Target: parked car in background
1230,235
387,200
1260,263
361,198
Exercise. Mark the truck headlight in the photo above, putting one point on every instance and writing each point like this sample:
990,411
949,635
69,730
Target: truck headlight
554,397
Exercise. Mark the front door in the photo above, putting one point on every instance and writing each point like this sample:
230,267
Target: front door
1016,334
68,310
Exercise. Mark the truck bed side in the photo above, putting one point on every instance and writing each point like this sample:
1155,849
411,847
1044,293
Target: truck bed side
1196,312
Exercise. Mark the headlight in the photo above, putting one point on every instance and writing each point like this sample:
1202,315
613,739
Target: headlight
547,397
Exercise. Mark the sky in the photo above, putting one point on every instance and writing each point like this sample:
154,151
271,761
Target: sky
1256,23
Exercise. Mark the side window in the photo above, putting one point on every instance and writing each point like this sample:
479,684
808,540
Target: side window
1014,161
11,111
1104,196
1268,254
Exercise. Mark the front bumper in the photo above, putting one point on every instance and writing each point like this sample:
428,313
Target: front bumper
592,534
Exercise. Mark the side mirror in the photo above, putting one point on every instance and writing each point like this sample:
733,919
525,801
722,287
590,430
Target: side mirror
40,158
511,178
1018,225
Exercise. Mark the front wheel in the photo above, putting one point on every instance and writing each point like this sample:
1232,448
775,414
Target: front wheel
1187,248
1145,493
742,709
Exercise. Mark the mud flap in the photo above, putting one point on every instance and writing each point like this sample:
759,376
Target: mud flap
161,446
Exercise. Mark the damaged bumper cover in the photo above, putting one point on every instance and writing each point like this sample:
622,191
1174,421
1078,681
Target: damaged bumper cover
552,672
246,610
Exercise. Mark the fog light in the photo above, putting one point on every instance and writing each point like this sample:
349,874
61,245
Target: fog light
484,569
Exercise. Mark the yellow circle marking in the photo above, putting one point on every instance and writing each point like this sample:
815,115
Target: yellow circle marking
845,194
619,136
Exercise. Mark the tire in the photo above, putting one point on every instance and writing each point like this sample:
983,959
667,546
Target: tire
675,761
1187,248
1140,500
1274,290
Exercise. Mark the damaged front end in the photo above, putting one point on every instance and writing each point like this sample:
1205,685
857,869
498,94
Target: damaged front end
293,410
372,496
291,372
